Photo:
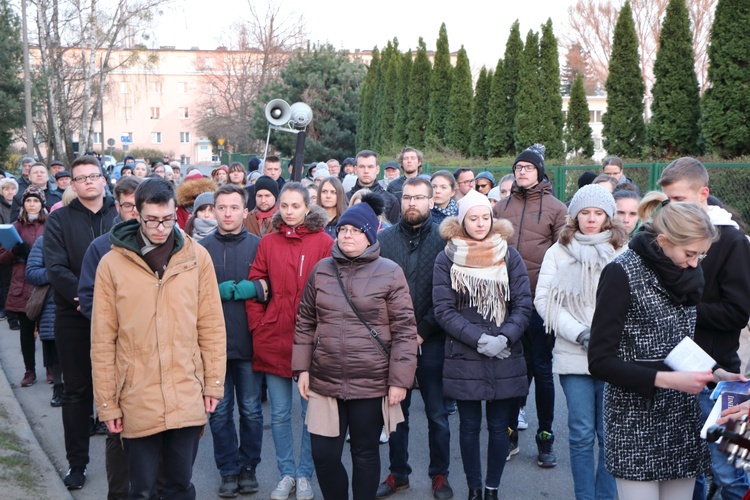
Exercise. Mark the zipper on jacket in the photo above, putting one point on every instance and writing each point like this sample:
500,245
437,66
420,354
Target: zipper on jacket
301,265
520,224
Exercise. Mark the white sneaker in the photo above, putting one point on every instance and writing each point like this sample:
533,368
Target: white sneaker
383,436
283,489
522,423
304,489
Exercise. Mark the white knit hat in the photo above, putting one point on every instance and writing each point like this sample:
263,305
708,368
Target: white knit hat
592,195
472,199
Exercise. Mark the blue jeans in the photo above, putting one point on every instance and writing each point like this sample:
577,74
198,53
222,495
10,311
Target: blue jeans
430,377
585,396
246,383
733,482
538,368
280,391
470,417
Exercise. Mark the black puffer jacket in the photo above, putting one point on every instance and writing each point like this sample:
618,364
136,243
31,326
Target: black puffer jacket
68,233
232,255
343,358
415,250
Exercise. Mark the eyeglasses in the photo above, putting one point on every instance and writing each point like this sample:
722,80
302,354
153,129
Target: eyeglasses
416,197
528,168
80,179
128,207
354,231
699,256
467,183
153,224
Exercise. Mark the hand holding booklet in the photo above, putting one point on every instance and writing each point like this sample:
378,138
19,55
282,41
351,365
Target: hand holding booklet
9,236
687,356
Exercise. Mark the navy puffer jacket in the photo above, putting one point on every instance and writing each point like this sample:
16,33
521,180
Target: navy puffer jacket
36,275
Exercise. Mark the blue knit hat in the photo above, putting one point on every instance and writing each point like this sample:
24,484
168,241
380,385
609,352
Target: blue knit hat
363,216
486,175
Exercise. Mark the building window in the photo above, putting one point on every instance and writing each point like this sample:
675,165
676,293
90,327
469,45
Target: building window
155,137
595,116
208,63
124,88
96,137
182,87
154,87
127,112
155,113
211,89
185,137
184,113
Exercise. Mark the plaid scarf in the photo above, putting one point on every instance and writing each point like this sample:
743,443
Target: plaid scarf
479,275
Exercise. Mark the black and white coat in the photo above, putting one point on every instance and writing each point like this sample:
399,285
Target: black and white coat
650,434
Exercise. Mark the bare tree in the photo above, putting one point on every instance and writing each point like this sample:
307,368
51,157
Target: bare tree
592,24
258,50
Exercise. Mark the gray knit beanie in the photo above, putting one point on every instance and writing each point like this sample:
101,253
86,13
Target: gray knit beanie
206,198
594,196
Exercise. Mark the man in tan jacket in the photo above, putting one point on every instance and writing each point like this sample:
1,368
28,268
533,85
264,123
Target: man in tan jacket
158,343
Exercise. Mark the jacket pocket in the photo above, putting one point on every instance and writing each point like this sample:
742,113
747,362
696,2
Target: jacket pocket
198,364
126,383
379,347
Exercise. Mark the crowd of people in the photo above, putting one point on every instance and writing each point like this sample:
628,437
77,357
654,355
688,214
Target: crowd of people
166,303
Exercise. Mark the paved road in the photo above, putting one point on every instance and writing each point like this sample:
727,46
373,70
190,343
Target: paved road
522,478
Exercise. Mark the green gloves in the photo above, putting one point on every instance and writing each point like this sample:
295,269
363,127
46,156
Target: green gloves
226,290
231,290
244,290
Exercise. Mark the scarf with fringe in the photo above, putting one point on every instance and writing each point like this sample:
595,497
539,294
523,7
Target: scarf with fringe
479,275
573,287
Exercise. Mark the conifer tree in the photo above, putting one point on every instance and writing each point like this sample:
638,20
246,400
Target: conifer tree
511,85
479,108
458,126
675,112
494,141
419,97
577,129
440,90
726,103
551,126
389,98
528,113
402,100
624,131
367,103
11,86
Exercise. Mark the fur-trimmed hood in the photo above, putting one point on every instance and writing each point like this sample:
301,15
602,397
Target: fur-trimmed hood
189,189
450,228
316,219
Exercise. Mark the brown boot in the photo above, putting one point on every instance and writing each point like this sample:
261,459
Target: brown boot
28,379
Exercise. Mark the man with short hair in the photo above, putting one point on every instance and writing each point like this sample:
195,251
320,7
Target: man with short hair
258,221
410,160
464,181
67,235
367,175
414,244
23,178
55,167
115,459
725,304
62,180
39,177
272,168
334,167
537,218
612,166
232,250
158,373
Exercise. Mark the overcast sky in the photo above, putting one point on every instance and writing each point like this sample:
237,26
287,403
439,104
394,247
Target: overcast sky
481,26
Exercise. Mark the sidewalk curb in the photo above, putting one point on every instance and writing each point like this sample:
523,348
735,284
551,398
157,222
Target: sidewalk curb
48,478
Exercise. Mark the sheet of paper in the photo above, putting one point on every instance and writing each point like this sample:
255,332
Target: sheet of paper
712,418
687,356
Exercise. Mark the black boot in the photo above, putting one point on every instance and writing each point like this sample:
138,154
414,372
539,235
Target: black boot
475,494
490,494
57,395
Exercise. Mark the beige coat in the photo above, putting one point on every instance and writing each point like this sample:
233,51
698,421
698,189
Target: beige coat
157,346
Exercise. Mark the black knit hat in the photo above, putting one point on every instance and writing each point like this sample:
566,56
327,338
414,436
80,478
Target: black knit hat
534,155
270,185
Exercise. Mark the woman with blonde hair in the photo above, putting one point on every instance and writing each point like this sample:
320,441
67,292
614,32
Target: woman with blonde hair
565,298
646,305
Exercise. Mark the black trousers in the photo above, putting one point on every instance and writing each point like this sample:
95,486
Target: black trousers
73,339
178,449
364,419
28,343
118,468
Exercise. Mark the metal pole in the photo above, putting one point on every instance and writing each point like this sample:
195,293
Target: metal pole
299,160
27,85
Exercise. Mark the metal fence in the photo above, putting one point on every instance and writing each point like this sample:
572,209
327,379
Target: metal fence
730,182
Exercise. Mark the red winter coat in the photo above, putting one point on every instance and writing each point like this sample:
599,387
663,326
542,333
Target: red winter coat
285,258
20,289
